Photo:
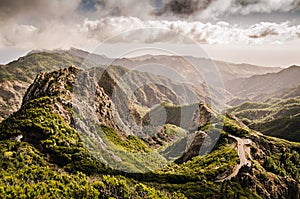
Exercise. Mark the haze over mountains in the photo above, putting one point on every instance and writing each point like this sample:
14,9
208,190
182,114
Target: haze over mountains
131,132
182,64
165,113
282,84
192,70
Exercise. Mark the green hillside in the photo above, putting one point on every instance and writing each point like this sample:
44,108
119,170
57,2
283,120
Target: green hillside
43,155
275,117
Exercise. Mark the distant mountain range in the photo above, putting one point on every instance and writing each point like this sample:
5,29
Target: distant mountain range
187,69
125,148
282,84
187,66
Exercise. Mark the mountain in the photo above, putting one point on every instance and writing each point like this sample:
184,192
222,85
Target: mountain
184,64
55,146
276,117
195,70
16,76
269,103
89,57
261,87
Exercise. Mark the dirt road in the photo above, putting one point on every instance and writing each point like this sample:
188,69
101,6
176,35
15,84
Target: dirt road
242,151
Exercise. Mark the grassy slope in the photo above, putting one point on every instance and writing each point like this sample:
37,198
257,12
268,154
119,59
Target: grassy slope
26,68
26,173
51,149
40,164
53,162
279,118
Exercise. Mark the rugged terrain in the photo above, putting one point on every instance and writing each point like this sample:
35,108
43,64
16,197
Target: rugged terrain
16,76
274,117
258,88
62,150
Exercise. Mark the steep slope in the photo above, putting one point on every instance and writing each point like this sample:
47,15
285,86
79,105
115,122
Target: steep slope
262,87
190,67
40,146
16,76
45,122
275,117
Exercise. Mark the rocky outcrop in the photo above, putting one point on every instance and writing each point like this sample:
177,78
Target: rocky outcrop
57,85
194,147
76,97
11,94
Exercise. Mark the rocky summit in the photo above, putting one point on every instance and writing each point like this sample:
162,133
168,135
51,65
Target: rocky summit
89,132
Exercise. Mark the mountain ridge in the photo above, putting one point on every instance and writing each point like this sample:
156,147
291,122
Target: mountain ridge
262,87
197,177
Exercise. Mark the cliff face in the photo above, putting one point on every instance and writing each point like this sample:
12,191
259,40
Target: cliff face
57,85
62,110
11,94
16,76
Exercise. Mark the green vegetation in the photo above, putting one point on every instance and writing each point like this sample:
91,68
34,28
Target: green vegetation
130,143
34,170
282,157
233,127
206,167
46,130
197,178
126,153
53,160
275,117
55,145
25,173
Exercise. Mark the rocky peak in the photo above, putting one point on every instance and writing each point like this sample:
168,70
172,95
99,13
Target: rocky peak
57,85
75,94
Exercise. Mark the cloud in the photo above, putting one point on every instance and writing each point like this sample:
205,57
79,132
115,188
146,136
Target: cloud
133,29
65,23
217,8
34,23
185,9
37,10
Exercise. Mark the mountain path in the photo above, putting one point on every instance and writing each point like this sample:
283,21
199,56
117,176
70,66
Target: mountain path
243,150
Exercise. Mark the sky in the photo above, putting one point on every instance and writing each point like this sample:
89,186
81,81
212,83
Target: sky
261,32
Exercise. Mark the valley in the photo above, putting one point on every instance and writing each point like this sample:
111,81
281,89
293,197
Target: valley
74,127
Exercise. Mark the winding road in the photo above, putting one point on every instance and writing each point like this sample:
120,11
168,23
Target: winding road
242,149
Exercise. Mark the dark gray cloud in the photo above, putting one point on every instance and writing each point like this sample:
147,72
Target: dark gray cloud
65,23
187,7
37,10
218,8
150,9
182,9
245,3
